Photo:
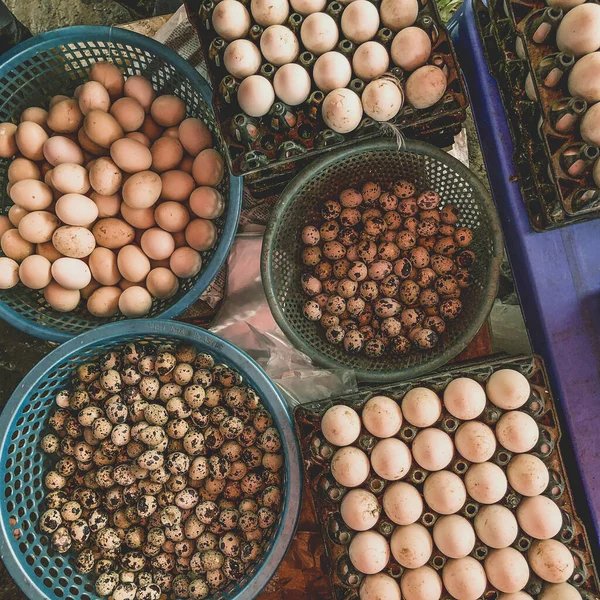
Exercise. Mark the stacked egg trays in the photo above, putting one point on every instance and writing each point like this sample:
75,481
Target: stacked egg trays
327,493
553,197
270,149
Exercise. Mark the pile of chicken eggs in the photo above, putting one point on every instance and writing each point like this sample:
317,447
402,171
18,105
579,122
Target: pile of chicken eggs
445,493
114,195
319,33
166,478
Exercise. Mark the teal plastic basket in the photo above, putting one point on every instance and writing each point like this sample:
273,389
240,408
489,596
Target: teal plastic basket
44,574
56,63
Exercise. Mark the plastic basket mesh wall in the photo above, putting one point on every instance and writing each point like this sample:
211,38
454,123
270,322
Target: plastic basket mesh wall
385,166
24,464
58,69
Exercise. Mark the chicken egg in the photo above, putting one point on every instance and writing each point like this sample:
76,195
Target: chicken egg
515,596
157,244
60,298
31,194
421,407
130,155
162,283
167,153
411,545
208,167
507,570
29,137
65,116
36,114
559,591
71,273
454,536
398,14
242,58
76,209
508,389
517,431
8,144
540,517
38,226
369,552
444,492
176,185
378,587
411,48
402,503
200,234
22,168
142,189
583,79
207,203
319,33
391,459
306,7
185,262
360,21
15,214
269,12
433,449
129,113
70,178
370,60
590,125
140,218
331,70
5,225
133,264
382,416
103,265
194,135
360,510
551,560
527,474
279,45
421,584
486,483
292,84
475,441
171,216
496,526
141,89
14,246
425,86
9,273
350,466
109,76
135,301
382,99
231,20
340,425
579,30
464,398
464,578
104,301
342,110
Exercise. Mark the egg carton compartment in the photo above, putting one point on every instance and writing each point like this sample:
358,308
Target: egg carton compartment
326,493
566,172
270,150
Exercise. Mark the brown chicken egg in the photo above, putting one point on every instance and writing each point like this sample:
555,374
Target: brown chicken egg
369,552
411,48
486,482
135,301
425,86
391,459
444,492
507,570
157,244
379,586
162,283
15,247
360,510
540,517
60,298
350,466
527,474
421,407
185,262
382,416
200,234
402,503
464,578
411,545
168,111
475,441
142,189
508,389
109,76
35,272
140,218
103,265
496,526
130,155
141,89
209,167
517,431
464,398
421,584
8,144
9,273
551,561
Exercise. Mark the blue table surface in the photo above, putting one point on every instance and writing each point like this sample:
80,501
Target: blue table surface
557,275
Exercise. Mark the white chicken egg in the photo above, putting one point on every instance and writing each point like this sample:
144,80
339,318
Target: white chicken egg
507,570
231,20
496,526
292,84
421,407
411,545
350,466
464,398
402,503
454,536
270,12
369,552
331,70
382,99
475,441
306,7
319,33
433,449
508,389
444,492
342,110
370,60
464,578
551,560
527,474
559,591
486,483
517,431
256,95
540,517
360,510
360,21
391,459
340,425
382,416
242,58
421,584
279,45
378,587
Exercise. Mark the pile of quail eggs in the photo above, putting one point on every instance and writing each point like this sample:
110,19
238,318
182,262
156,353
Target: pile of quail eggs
457,520
168,473
385,268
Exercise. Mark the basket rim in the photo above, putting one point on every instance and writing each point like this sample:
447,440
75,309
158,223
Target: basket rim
211,343
295,187
78,33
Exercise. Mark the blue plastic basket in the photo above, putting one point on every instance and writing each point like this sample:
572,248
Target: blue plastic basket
56,63
39,571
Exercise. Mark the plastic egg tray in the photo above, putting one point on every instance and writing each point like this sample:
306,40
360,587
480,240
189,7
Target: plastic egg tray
270,150
327,494
553,196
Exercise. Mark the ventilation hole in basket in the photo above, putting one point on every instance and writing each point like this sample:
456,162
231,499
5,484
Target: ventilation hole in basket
7,477
63,582
34,516
9,505
18,424
23,547
30,440
19,457
17,483
53,572
68,571
77,580
45,562
29,503
59,561
38,571
25,525
85,597
38,493
30,560
25,429
27,478
37,550
59,592
12,447
21,512
17,470
74,590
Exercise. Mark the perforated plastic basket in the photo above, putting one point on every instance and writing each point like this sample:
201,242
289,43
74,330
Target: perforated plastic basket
42,573
56,63
381,161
